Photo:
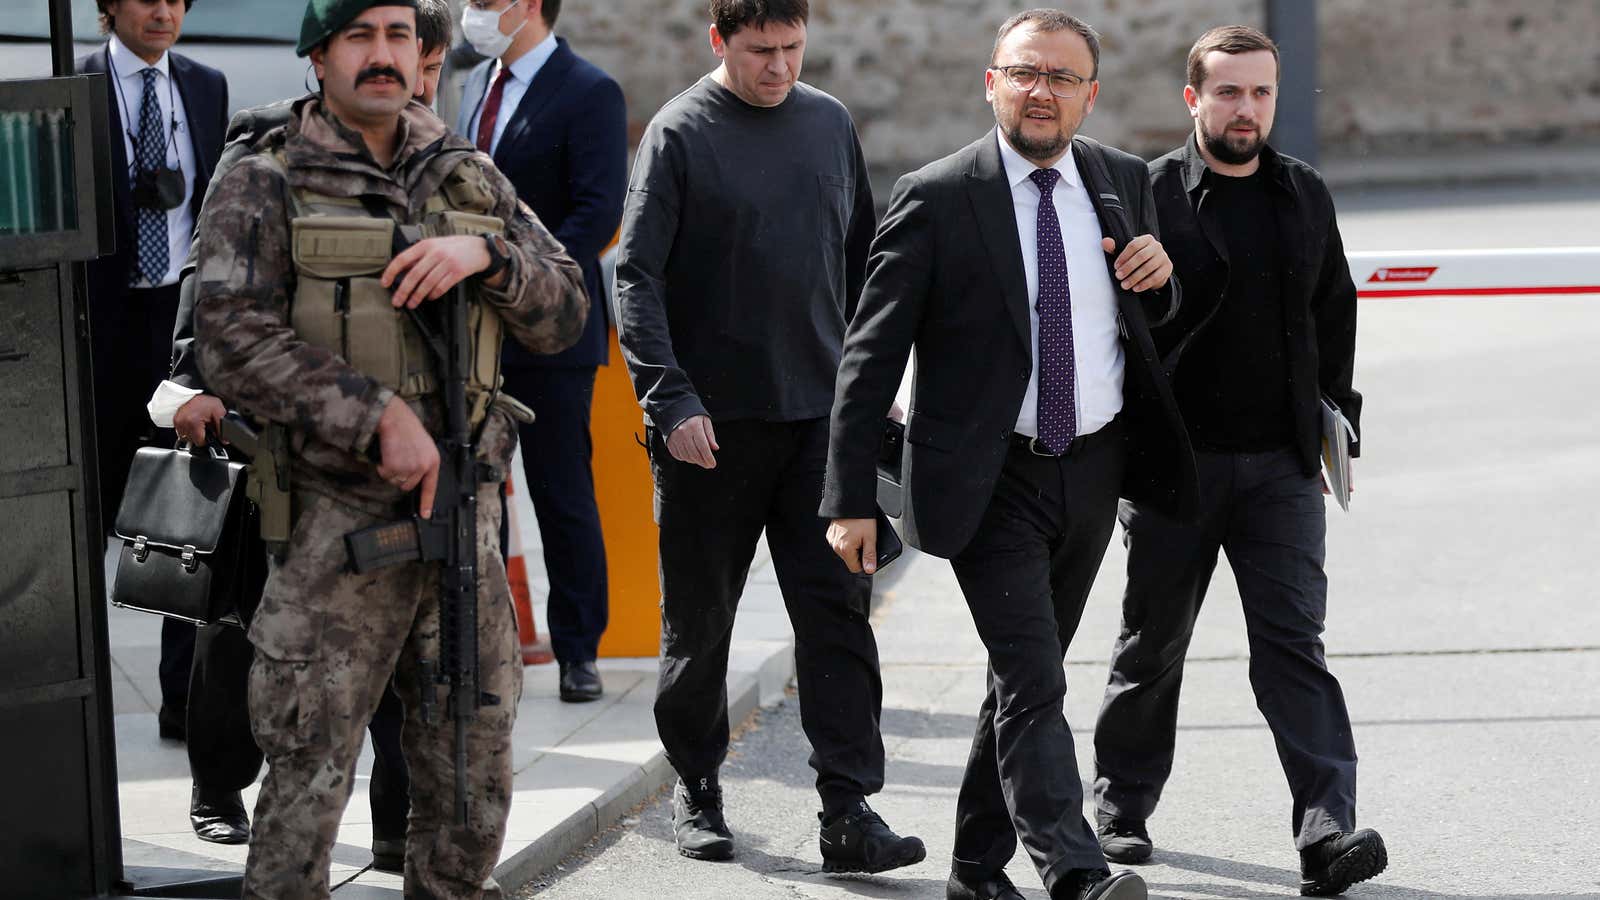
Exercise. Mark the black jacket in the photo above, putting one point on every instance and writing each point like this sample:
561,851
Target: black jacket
1319,297
946,276
565,149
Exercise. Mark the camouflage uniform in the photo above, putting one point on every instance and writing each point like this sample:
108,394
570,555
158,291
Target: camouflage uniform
327,640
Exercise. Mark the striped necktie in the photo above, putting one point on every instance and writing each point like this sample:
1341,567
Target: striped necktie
150,155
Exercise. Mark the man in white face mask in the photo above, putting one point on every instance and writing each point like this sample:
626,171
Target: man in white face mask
558,128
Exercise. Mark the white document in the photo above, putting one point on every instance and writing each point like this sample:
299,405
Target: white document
1337,434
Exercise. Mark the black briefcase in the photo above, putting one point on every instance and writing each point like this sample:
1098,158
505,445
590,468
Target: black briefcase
185,528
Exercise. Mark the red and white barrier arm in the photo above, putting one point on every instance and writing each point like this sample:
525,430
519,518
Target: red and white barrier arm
1476,273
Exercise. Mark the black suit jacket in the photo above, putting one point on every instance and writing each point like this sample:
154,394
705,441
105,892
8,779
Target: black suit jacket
565,150
204,94
1319,312
946,276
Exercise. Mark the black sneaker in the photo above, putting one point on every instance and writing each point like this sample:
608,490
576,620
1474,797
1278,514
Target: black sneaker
995,887
1099,884
1125,841
698,824
860,842
1337,861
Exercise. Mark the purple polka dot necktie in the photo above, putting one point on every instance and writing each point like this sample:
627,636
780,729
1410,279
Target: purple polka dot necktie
150,155
1058,406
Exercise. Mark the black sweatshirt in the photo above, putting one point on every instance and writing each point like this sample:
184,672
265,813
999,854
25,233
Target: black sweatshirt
1233,383
743,251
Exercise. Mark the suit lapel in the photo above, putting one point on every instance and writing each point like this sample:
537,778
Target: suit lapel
546,84
101,62
992,206
198,108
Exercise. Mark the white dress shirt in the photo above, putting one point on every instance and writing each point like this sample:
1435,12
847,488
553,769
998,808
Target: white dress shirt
129,74
522,74
1097,349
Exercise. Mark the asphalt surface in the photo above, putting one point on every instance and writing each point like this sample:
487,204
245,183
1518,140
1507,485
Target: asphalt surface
1463,624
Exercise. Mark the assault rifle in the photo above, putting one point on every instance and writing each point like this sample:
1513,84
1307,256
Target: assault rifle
450,537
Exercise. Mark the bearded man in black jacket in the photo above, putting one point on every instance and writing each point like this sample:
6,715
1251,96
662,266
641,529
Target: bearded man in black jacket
1267,332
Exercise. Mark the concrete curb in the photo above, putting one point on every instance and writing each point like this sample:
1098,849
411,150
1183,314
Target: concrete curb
760,668
579,828
746,693
768,669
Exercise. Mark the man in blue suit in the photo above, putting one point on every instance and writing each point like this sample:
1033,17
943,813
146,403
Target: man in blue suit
557,127
168,113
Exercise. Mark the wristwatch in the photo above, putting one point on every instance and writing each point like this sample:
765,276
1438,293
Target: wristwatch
499,256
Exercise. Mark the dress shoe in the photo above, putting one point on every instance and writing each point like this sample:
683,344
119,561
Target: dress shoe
218,816
580,682
1337,861
1125,841
697,822
992,887
860,841
1098,884
389,855
170,725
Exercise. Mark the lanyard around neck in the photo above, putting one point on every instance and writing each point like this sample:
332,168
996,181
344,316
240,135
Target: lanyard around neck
127,114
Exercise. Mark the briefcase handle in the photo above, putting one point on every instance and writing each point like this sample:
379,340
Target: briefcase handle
212,444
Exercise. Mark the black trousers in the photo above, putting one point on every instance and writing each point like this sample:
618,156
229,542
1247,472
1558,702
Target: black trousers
768,476
1270,518
556,453
223,755
131,351
174,665
1026,576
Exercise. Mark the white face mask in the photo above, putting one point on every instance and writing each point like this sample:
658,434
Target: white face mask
481,27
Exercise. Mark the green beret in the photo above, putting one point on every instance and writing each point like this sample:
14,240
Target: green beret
325,17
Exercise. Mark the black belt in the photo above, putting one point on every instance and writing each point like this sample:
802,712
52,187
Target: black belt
162,292
1112,430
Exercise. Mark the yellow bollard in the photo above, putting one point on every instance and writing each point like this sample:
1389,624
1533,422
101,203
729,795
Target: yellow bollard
623,490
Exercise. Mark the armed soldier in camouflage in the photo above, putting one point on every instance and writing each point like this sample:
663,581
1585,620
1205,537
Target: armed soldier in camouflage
302,320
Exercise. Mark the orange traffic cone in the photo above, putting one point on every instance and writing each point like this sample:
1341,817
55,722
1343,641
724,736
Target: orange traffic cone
534,650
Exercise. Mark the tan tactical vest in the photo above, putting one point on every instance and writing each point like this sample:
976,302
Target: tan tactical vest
340,251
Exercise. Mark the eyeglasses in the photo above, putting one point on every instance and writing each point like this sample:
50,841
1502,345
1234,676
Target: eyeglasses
1063,84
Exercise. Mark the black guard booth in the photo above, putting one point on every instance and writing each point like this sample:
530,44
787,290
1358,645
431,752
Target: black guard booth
59,831
60,834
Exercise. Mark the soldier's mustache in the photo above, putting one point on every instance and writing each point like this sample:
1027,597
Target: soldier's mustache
380,72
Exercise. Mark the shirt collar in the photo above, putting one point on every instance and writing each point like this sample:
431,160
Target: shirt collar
529,64
1018,167
127,63
1197,173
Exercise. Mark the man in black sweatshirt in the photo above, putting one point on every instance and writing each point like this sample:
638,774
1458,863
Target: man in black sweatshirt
744,245
1267,331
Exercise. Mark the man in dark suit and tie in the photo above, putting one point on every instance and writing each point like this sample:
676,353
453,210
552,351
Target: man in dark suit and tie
1013,269
169,113
557,127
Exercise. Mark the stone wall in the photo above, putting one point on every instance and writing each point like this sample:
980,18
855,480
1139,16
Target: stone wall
1395,76
1458,73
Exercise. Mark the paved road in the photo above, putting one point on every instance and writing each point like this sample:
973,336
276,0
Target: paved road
1464,624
